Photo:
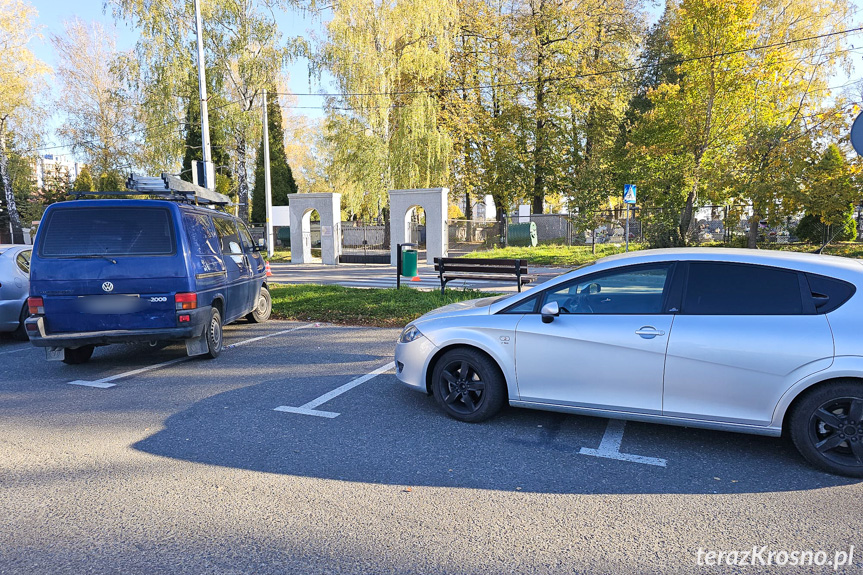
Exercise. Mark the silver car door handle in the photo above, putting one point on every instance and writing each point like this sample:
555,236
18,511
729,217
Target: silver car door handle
649,332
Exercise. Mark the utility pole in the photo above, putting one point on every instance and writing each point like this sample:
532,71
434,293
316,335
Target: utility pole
209,180
267,189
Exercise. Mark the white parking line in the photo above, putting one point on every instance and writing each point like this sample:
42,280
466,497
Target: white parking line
309,408
609,447
23,348
105,382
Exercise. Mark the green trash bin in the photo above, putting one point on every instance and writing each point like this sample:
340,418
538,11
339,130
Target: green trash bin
409,263
523,235
285,236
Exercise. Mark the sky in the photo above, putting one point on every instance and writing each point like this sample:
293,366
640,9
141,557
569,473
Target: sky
53,13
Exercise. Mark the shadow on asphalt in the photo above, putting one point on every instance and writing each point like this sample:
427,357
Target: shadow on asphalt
388,434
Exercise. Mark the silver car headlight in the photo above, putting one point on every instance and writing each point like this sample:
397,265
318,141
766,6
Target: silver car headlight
409,334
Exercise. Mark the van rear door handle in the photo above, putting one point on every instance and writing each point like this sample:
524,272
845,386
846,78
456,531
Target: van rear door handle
649,332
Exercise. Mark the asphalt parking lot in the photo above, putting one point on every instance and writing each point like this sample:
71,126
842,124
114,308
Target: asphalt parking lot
297,451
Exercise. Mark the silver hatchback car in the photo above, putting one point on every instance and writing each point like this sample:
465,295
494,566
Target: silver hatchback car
737,340
14,288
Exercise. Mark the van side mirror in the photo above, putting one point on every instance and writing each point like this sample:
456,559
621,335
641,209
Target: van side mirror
262,245
550,311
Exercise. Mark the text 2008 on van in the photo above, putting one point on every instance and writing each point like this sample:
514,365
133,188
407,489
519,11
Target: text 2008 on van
109,271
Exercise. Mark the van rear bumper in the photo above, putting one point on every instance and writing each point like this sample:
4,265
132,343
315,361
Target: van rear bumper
38,337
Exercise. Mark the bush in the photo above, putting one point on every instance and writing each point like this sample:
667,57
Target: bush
663,233
812,230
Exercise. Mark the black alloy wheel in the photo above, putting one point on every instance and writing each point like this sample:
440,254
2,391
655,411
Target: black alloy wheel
827,428
468,385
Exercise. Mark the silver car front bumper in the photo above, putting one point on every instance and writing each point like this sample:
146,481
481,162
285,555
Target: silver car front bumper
411,361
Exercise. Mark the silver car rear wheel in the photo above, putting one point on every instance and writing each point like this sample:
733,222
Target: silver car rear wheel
827,428
468,385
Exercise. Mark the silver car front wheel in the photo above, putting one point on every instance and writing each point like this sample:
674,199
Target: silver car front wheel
468,385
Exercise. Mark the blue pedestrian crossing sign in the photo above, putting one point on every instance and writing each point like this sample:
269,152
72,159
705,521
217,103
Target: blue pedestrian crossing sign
629,194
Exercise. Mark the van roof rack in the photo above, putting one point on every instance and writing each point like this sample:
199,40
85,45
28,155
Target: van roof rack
167,187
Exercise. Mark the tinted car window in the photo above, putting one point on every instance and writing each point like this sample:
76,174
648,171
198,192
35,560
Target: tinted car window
202,236
246,237
737,289
228,236
23,261
527,306
122,231
633,290
829,293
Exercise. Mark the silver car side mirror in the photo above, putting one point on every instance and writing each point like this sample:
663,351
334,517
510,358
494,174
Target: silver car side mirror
550,311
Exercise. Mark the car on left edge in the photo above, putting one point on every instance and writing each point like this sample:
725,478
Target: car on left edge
14,289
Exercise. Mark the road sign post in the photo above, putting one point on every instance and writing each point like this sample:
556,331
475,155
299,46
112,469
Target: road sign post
629,200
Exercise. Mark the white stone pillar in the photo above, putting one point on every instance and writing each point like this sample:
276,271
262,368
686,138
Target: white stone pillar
434,201
328,207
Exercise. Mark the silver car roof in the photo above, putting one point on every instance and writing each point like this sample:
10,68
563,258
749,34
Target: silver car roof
834,266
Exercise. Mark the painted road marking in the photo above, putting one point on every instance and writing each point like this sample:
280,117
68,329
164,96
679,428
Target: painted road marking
23,348
309,408
609,447
105,382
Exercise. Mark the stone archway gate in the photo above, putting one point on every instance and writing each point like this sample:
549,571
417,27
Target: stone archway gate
329,208
434,202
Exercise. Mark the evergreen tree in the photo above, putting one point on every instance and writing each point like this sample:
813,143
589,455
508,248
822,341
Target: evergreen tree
111,182
218,149
281,175
56,185
84,181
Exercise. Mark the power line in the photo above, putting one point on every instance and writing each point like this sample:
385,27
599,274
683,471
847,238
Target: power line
175,121
589,74
476,87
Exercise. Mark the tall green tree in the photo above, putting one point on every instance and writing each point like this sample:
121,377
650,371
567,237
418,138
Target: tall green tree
831,193
84,181
281,176
789,109
23,181
99,117
56,184
388,59
21,81
243,51
219,139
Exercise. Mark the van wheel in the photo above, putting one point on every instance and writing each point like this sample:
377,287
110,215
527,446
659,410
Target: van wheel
263,307
21,333
214,335
78,355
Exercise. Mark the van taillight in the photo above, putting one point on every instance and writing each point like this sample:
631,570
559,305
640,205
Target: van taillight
36,306
186,300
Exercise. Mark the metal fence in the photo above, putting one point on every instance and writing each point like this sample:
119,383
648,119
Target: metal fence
727,225
362,238
465,236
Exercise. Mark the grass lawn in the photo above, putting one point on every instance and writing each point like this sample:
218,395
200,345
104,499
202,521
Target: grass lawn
281,256
556,255
574,256
356,306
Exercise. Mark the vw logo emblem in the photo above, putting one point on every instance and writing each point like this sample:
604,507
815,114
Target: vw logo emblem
108,286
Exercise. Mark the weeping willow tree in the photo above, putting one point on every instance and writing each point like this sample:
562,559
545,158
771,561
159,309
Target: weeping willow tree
387,59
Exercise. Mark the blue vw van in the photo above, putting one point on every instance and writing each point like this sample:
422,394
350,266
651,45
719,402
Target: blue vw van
141,270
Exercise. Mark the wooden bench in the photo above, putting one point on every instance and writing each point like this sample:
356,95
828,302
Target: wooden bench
482,269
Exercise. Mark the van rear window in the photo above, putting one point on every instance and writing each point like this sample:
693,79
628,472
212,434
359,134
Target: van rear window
78,232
